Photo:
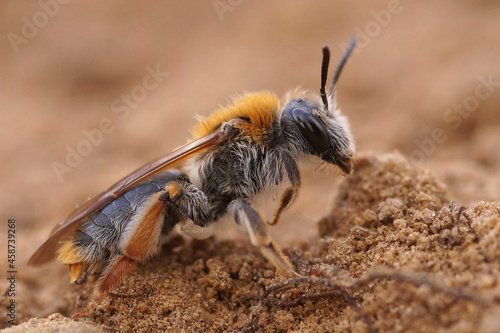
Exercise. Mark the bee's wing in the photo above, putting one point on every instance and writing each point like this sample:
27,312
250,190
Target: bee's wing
66,229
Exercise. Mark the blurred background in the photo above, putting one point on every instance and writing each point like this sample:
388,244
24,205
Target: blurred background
91,90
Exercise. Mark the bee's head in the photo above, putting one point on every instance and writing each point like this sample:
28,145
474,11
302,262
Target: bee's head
318,133
321,130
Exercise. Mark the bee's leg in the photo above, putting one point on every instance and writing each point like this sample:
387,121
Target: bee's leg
82,279
291,193
79,269
139,240
287,198
246,216
116,271
189,199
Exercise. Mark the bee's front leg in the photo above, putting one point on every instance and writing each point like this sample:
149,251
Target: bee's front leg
246,216
291,193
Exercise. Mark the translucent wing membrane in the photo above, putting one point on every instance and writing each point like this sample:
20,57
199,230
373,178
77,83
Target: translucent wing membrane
66,229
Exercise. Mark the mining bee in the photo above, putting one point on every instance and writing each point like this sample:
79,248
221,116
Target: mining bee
250,146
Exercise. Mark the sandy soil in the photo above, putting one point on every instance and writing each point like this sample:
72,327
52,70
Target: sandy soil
409,242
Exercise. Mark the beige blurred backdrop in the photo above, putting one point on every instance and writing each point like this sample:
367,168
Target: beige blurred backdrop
425,80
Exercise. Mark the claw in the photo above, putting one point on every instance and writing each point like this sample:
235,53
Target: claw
86,312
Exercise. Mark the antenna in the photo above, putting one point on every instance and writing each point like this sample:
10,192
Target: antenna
346,55
324,75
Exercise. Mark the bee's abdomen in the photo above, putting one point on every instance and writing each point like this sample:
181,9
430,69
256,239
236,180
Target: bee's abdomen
99,236
104,227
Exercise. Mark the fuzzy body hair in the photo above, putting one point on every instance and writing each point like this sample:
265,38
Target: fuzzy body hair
264,156
250,147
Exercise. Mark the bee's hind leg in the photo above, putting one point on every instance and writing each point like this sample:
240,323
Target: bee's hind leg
246,216
117,270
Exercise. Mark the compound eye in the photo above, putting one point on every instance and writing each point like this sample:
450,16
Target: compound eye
312,130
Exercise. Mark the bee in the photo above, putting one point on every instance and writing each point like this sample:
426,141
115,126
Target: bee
252,145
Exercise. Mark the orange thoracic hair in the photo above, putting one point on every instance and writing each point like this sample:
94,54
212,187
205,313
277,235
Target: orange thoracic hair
259,108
